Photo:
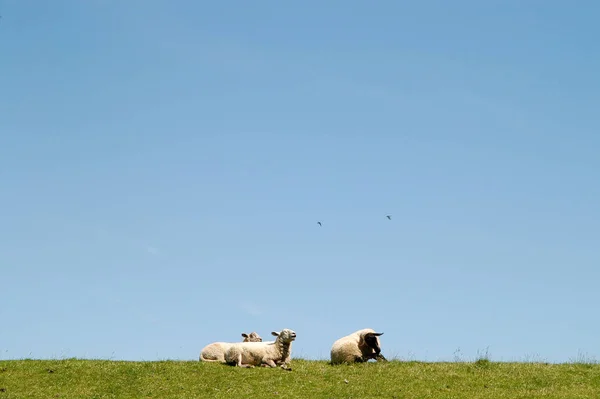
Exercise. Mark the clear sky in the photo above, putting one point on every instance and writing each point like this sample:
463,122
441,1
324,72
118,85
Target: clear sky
164,164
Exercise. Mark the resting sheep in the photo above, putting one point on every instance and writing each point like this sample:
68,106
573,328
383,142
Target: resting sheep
359,346
266,354
215,352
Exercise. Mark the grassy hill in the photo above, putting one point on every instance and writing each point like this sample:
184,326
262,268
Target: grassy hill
73,378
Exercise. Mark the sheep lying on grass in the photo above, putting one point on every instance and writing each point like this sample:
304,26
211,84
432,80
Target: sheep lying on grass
266,354
215,352
359,346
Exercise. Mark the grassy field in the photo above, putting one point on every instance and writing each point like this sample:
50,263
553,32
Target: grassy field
73,378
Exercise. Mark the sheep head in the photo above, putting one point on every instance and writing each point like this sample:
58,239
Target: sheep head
252,337
370,340
286,335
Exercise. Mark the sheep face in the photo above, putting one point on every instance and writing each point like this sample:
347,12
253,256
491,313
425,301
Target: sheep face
286,335
252,337
372,341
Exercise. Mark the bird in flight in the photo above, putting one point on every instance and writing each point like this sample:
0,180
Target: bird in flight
319,223
389,217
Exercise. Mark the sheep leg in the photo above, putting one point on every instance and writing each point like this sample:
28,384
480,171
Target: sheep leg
269,363
285,366
374,356
239,363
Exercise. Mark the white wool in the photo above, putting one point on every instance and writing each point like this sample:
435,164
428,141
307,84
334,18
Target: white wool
352,348
266,354
215,352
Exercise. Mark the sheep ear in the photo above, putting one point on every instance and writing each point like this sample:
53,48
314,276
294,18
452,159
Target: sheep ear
377,334
244,335
275,333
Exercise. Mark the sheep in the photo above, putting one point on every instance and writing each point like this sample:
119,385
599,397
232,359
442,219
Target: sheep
359,346
265,354
215,352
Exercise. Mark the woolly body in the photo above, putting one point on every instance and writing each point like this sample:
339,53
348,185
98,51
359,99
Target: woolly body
215,352
266,354
360,346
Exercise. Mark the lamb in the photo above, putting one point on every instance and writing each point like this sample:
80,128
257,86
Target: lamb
359,346
265,354
215,352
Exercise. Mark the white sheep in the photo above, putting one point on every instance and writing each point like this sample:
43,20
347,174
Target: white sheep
215,352
266,354
360,346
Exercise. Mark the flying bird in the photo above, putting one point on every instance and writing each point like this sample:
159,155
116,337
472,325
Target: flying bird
319,223
389,217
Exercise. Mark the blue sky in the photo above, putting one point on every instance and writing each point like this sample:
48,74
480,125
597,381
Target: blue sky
163,166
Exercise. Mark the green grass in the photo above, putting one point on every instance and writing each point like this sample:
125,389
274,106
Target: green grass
74,378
